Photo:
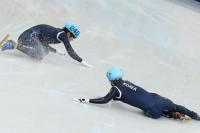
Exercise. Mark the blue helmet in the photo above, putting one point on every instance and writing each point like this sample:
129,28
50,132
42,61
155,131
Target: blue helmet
73,28
114,73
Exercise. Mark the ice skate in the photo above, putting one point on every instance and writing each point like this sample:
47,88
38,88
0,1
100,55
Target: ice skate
8,45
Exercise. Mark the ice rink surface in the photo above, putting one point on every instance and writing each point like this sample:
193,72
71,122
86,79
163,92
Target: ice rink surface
156,42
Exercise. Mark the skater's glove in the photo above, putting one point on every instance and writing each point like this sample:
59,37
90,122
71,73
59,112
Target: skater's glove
86,64
83,100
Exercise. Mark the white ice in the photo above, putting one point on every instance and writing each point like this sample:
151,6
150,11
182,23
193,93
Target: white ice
156,42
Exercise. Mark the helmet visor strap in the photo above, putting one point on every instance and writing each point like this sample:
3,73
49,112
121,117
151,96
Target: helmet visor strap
72,35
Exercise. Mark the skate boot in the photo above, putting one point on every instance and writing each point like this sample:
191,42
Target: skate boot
9,45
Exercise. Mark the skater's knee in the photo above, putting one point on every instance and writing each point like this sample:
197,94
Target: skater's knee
154,115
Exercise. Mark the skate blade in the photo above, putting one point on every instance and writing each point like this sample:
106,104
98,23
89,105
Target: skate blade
4,40
184,118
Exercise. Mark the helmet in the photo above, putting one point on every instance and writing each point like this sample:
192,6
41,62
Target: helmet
73,28
114,73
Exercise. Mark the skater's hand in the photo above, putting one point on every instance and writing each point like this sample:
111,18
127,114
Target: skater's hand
86,64
83,100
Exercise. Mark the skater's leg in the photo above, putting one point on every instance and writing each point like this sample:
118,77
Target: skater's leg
37,51
176,111
184,110
32,47
154,112
164,107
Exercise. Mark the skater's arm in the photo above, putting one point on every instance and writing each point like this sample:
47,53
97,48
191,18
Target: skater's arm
102,100
69,48
72,53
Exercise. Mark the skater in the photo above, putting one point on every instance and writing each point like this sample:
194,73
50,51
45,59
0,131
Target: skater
35,41
152,104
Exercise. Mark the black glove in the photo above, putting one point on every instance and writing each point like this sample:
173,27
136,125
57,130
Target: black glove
83,100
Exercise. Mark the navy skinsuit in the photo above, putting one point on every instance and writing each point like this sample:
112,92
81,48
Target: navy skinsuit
152,104
35,41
